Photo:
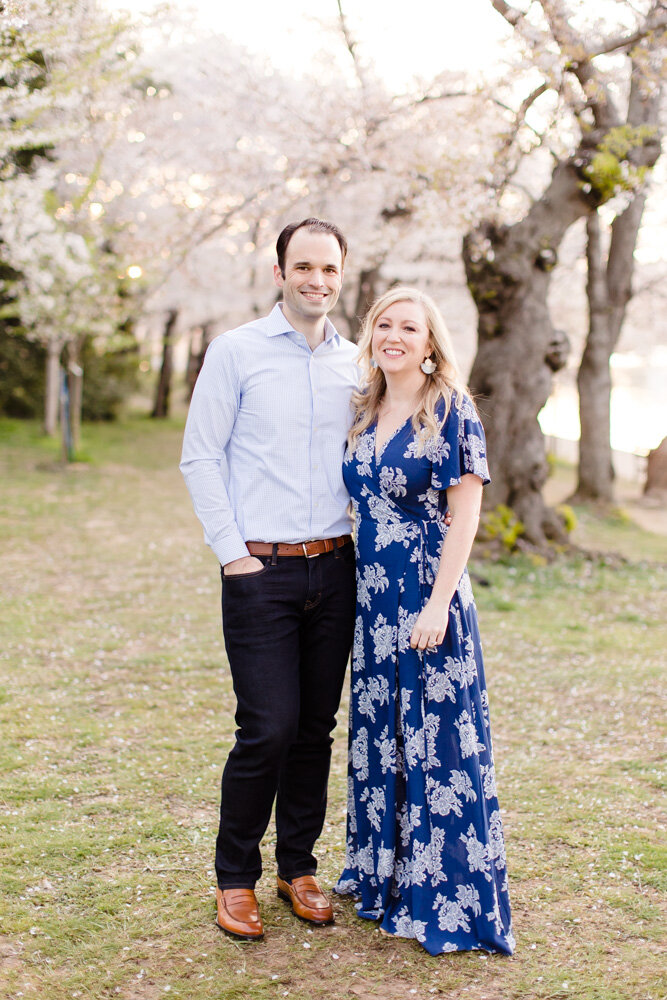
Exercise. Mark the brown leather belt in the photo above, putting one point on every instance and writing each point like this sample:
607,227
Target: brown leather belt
307,549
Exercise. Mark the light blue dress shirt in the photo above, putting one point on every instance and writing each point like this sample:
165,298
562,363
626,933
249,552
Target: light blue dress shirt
265,436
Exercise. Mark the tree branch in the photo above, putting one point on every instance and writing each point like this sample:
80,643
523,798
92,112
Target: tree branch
351,46
511,14
625,41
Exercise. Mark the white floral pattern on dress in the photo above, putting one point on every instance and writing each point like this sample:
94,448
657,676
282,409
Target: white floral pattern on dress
374,578
424,832
393,481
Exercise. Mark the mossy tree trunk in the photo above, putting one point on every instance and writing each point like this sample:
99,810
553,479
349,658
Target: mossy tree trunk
508,267
508,270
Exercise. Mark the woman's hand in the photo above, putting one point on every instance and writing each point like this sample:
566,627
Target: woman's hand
431,626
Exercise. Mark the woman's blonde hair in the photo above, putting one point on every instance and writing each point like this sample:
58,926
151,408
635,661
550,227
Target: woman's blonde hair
445,382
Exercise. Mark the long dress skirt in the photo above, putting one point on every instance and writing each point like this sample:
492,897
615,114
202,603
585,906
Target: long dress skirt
425,850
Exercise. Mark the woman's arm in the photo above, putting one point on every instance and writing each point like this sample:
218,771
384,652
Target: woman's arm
465,501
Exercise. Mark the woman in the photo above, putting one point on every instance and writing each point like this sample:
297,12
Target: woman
425,853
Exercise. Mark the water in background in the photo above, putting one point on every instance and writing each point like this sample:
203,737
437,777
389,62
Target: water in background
638,411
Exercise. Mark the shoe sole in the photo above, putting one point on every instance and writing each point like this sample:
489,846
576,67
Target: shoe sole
239,937
306,920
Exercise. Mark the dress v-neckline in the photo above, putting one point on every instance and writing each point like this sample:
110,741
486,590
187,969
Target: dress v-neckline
378,454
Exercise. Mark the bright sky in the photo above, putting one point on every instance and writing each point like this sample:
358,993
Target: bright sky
422,37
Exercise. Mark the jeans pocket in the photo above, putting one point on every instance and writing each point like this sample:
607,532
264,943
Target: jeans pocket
245,576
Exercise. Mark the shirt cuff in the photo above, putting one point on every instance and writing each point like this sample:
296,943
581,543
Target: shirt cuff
229,548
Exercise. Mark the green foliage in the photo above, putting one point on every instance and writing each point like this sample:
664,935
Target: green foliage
22,364
620,516
610,170
503,524
568,515
108,377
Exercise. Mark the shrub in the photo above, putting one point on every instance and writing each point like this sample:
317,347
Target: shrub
568,516
502,523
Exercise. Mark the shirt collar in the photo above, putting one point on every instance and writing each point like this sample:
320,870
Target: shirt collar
277,323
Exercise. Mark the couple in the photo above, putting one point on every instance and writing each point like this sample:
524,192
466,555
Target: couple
266,463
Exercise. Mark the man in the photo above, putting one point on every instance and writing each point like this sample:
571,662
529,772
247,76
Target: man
262,458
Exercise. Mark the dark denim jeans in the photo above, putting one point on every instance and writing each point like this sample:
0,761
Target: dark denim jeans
288,630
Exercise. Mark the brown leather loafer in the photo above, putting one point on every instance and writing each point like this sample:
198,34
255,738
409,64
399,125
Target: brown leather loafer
238,914
307,900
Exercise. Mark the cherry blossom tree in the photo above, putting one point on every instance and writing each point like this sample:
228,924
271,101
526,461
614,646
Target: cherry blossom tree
197,207
571,82
62,282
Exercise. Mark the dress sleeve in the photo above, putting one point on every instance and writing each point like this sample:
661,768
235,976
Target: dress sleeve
461,447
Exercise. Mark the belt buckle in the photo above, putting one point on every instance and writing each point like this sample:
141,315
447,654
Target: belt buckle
305,551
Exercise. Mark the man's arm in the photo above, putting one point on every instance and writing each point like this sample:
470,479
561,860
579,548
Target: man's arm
213,410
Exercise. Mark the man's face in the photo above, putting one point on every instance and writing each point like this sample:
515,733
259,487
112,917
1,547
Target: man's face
313,275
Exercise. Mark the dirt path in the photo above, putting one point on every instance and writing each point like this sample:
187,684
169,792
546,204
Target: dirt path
648,514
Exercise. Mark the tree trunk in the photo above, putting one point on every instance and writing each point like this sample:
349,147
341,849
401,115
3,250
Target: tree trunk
609,290
655,487
196,358
508,267
75,385
192,367
161,407
52,387
508,271
366,293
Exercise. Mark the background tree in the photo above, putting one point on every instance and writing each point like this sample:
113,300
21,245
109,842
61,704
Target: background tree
610,277
509,265
62,284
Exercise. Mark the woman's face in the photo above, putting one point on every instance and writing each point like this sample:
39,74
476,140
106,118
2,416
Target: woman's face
401,338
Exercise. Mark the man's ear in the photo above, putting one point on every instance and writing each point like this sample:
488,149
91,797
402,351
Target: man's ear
278,276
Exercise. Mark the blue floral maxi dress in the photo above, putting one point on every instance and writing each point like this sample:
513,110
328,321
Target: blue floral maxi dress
425,852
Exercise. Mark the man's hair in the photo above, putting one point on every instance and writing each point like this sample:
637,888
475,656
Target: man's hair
315,226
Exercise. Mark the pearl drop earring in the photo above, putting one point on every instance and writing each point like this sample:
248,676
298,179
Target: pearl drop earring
428,366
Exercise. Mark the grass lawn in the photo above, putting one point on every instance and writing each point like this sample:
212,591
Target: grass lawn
116,713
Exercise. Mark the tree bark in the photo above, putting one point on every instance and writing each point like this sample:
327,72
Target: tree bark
75,384
655,487
367,292
609,289
508,270
196,359
52,387
161,407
